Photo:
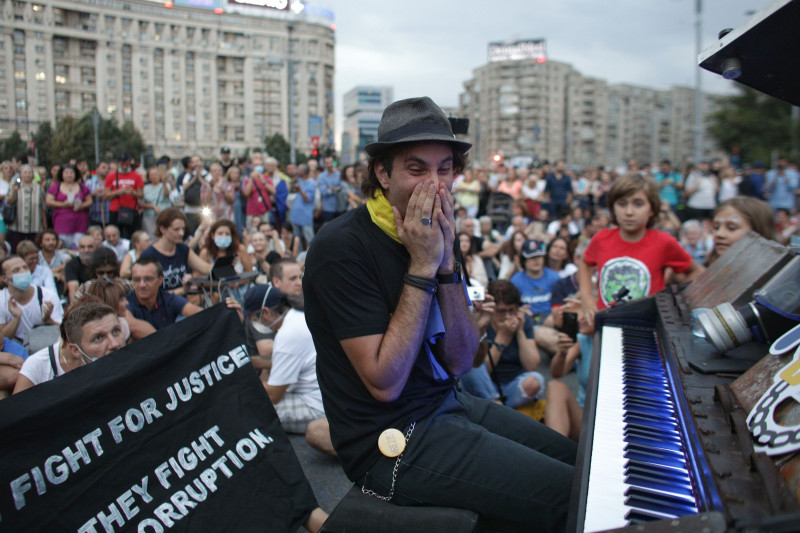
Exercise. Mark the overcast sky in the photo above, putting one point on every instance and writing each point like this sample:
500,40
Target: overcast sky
430,47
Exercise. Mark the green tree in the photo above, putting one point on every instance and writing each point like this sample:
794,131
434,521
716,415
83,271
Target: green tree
43,138
756,124
278,147
70,141
130,140
12,147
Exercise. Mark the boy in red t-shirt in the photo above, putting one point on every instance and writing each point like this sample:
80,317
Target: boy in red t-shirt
633,257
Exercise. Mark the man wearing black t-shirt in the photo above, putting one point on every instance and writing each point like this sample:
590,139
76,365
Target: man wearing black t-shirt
76,270
388,312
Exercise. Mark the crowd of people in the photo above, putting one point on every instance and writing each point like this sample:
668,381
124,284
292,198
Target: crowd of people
91,260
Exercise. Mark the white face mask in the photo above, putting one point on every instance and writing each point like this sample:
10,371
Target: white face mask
86,358
265,329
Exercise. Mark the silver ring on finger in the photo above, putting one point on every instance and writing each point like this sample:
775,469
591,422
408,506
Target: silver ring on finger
426,221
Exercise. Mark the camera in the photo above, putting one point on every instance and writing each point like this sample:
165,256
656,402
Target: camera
476,294
774,309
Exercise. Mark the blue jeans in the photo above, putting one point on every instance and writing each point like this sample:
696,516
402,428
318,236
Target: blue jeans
478,383
514,394
475,454
304,232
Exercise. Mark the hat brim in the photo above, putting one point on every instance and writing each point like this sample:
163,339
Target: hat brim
378,147
535,254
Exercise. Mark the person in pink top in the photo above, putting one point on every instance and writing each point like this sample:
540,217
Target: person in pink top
70,200
259,188
512,185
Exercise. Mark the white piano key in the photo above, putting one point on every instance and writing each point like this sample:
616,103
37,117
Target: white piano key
605,497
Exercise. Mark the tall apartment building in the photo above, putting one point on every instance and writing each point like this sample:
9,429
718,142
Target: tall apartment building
362,107
190,78
522,104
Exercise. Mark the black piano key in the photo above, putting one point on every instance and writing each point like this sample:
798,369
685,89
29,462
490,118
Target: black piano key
640,515
652,414
649,422
647,399
651,469
646,433
638,480
678,482
660,503
676,455
655,443
653,458
667,496
635,399
653,410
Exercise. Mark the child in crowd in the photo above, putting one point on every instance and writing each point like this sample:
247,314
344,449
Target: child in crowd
733,218
631,259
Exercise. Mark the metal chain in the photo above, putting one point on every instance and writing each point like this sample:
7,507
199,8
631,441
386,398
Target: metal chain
388,498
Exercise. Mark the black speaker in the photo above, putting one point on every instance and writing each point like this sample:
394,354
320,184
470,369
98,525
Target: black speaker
460,125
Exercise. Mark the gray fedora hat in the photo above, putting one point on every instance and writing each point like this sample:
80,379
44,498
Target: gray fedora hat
414,120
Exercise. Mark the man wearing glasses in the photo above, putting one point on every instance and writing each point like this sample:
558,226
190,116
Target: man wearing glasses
149,301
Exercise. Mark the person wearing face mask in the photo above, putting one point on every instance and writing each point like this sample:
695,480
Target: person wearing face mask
277,327
23,305
222,241
90,331
149,301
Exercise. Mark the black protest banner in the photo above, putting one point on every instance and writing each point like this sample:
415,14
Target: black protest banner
173,432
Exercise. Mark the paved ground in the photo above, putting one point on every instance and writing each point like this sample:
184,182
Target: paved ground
326,475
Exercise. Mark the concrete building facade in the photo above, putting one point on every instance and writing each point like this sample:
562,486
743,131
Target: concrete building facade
547,110
362,107
191,79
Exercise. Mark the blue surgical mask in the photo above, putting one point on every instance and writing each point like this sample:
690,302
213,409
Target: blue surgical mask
223,241
21,281
259,169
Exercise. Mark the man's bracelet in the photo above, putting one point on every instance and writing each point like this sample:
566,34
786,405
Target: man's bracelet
429,285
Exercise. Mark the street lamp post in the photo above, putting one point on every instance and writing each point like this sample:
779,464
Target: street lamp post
698,93
290,72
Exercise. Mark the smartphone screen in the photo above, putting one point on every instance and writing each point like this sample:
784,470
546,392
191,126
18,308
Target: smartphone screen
570,326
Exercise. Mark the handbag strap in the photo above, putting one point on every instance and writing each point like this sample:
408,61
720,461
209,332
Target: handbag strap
53,364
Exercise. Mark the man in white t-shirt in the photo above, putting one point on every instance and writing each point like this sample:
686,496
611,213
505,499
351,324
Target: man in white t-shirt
292,385
20,309
93,331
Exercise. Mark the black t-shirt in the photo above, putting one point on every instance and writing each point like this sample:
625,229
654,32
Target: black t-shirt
352,284
74,270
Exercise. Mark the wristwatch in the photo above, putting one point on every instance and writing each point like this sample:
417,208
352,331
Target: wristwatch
455,277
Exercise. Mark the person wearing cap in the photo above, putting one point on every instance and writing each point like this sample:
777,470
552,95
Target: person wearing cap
292,382
386,304
535,283
225,159
124,188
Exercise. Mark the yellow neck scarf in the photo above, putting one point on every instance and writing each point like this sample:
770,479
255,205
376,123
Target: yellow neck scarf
380,210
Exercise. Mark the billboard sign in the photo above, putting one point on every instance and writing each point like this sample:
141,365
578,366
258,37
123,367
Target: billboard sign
518,50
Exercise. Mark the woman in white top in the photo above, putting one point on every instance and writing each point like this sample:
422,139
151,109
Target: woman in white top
140,241
472,261
509,255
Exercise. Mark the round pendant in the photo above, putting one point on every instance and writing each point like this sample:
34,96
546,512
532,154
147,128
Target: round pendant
391,443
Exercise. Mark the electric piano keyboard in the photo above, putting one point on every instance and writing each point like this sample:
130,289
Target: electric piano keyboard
659,450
